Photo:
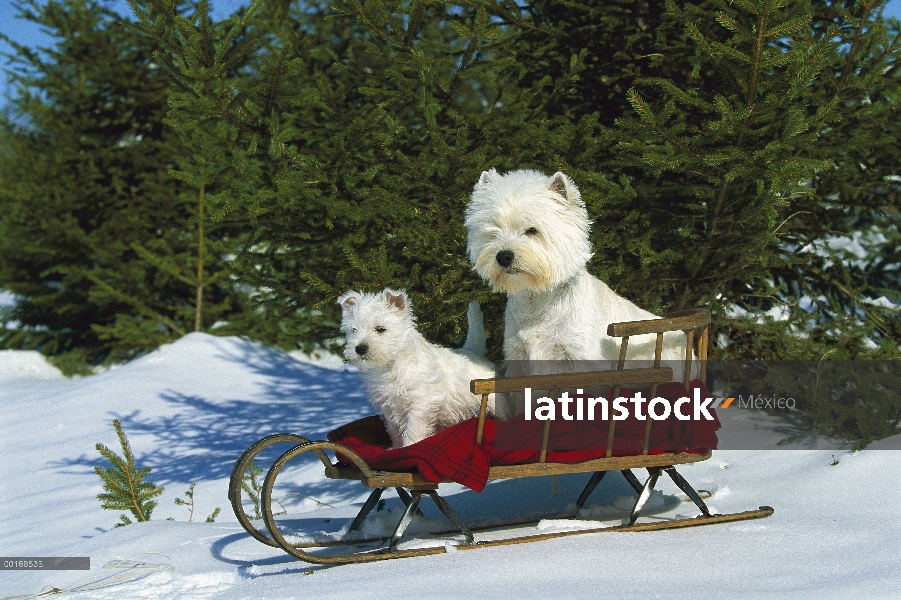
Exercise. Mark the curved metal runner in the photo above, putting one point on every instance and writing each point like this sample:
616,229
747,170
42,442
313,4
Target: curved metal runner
235,488
237,479
297,550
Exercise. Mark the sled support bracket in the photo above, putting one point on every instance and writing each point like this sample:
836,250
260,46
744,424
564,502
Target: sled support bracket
442,505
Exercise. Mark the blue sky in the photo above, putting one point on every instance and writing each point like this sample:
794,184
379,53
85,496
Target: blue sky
26,33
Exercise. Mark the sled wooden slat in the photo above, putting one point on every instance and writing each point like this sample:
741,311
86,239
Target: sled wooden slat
624,345
686,376
614,463
702,350
483,412
681,321
571,380
545,436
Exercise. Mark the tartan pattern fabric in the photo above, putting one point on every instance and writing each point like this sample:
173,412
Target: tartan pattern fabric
453,455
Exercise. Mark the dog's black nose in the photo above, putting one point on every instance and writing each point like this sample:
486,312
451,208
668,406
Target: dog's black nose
505,258
362,349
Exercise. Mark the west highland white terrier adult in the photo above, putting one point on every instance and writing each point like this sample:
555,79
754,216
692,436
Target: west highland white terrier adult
419,388
528,237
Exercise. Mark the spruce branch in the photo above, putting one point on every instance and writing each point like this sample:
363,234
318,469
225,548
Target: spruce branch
189,494
124,484
137,304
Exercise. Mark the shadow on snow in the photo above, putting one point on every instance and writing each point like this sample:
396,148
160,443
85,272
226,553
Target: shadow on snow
200,438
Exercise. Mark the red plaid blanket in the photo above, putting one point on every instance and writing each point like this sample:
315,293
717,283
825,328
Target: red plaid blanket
453,455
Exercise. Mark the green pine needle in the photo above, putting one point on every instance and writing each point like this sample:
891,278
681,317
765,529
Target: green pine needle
124,484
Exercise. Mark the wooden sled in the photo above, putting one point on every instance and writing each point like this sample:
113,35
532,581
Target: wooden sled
694,323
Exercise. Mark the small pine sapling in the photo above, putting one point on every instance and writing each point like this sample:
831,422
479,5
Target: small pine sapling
252,488
124,485
190,504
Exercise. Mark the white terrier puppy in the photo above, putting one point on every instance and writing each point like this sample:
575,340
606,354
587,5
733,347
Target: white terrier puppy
419,388
528,237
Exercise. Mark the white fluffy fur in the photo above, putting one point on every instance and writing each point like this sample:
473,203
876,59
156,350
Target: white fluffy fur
556,310
419,388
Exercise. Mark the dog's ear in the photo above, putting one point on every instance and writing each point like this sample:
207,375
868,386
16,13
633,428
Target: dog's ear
487,176
397,300
563,185
349,300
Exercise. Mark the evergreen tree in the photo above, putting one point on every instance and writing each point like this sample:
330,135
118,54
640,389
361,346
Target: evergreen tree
702,135
357,141
730,163
844,241
105,251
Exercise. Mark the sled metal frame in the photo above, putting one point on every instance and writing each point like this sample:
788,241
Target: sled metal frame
695,324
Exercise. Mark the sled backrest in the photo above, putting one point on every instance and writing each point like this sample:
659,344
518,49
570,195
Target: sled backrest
563,381
696,325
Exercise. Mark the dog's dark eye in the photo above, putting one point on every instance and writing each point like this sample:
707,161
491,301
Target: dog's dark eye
380,329
531,231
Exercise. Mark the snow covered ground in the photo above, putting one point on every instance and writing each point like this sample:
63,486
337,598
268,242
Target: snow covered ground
190,409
